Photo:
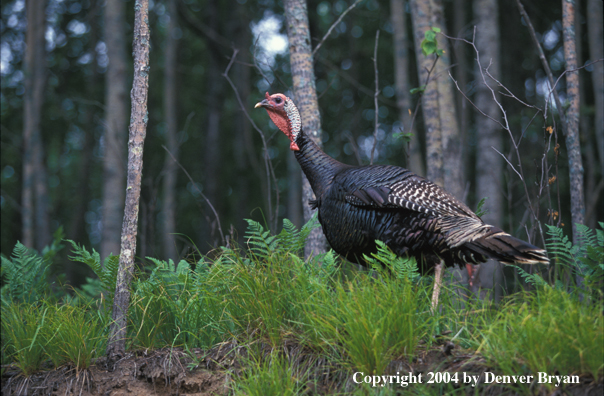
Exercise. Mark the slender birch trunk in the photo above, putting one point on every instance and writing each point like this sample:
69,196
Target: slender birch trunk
116,346
114,140
305,92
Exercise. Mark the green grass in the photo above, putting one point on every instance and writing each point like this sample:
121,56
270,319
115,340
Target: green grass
550,331
270,376
370,321
348,320
23,335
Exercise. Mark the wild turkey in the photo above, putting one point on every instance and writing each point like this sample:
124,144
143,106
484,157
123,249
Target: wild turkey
412,215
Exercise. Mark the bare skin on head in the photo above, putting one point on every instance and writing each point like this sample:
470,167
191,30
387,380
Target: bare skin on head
282,111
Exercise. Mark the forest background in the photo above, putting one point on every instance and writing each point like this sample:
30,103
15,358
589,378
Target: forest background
65,106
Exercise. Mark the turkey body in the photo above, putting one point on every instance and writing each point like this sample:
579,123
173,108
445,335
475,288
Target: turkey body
411,215
358,205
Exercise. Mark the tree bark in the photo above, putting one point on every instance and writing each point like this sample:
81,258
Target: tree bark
114,141
116,345
77,227
575,163
305,93
451,139
594,28
171,114
489,165
415,162
36,232
422,17
242,146
460,29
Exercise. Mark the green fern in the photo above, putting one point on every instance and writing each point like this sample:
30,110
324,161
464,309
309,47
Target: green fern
405,268
592,255
260,242
107,272
322,266
561,247
25,276
532,279
587,257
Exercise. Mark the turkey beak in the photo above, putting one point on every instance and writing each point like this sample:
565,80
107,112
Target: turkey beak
264,103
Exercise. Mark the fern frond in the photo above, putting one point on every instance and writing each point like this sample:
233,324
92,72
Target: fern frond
310,225
533,279
405,268
259,241
290,238
561,247
107,273
25,275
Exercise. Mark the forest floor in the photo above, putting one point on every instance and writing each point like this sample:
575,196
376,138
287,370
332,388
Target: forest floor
173,372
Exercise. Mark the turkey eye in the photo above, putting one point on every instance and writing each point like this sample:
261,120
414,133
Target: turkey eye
278,100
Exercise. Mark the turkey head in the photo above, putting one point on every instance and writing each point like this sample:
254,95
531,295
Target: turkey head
285,115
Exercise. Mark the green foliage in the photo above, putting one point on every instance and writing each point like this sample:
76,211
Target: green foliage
531,279
361,320
272,376
262,244
76,336
157,302
367,321
550,331
405,268
25,275
479,208
24,329
429,43
561,247
587,258
33,334
107,272
419,89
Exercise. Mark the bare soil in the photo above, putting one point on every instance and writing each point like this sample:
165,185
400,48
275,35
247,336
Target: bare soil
173,372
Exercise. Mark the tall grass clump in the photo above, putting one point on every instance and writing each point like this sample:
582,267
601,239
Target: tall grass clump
76,335
550,331
24,331
370,319
274,375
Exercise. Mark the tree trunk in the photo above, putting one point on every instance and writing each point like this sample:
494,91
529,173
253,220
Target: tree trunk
575,163
241,147
305,93
451,140
489,165
460,29
594,27
77,227
422,16
171,114
212,153
33,196
116,346
114,141
401,77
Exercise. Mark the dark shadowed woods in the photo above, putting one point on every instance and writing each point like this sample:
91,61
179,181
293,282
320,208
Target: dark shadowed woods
481,119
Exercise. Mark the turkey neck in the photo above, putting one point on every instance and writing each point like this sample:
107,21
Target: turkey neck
319,168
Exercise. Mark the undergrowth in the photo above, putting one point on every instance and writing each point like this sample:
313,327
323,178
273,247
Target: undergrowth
264,293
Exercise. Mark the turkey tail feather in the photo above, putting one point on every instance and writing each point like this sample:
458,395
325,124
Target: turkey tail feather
507,249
